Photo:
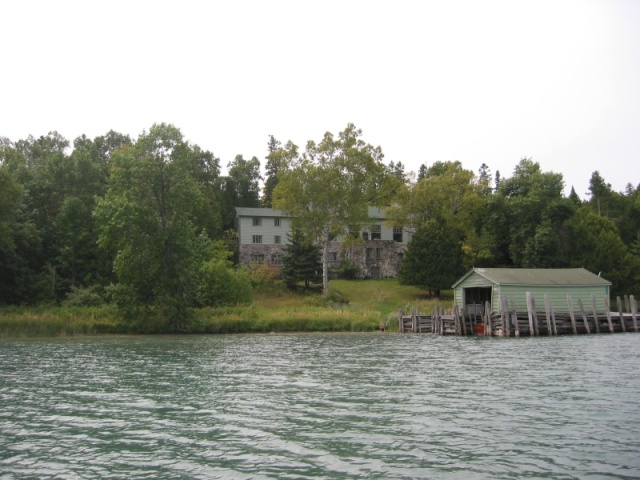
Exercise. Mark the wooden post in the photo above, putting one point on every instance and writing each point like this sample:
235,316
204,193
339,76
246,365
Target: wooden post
400,320
547,311
596,321
634,311
487,313
573,318
607,307
463,322
627,304
506,318
624,327
584,316
531,310
553,320
514,312
456,319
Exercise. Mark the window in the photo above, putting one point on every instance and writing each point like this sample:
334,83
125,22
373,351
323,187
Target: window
276,222
378,253
276,259
257,257
257,221
376,232
333,256
397,234
365,236
369,253
257,239
277,239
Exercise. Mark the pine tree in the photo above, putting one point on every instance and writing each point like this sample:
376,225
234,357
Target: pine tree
433,260
302,261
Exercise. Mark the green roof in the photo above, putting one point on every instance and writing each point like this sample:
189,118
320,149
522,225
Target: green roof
537,276
258,212
374,212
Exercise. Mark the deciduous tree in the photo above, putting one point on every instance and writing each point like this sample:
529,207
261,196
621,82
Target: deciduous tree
329,188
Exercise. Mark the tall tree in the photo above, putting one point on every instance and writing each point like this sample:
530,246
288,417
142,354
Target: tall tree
433,260
271,171
147,222
422,171
302,261
600,192
536,214
328,190
240,188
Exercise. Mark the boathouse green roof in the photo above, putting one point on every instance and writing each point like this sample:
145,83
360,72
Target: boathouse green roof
537,276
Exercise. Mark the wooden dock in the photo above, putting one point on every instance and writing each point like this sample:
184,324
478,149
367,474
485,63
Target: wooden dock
580,319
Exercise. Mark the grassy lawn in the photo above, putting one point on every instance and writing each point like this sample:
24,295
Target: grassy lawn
387,296
369,304
383,296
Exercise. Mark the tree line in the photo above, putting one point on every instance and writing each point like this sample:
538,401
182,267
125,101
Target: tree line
147,224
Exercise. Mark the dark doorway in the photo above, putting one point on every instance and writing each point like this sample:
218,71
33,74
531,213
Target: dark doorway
477,295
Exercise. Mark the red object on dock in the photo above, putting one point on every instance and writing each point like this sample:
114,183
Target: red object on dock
478,329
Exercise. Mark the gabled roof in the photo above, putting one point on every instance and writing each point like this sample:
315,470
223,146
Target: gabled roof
537,276
374,212
258,212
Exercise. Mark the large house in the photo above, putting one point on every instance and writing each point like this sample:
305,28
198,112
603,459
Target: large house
263,235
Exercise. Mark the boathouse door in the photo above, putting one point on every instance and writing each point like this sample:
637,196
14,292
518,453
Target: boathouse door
477,296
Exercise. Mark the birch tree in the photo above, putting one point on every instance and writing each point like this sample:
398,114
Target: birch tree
327,190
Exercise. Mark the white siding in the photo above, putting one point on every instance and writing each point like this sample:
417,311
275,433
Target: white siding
267,229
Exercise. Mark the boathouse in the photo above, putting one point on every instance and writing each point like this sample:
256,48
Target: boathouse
481,285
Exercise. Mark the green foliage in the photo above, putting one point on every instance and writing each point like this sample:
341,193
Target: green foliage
302,260
433,260
264,275
240,188
329,188
221,285
147,222
85,297
349,270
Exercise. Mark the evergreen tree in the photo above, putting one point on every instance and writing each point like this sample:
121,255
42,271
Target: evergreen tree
271,171
433,260
422,172
302,261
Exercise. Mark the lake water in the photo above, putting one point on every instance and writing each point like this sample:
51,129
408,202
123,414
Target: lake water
321,406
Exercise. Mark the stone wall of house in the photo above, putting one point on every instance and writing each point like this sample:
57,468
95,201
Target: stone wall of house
375,258
248,252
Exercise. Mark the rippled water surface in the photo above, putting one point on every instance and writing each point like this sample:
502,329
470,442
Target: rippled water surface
321,406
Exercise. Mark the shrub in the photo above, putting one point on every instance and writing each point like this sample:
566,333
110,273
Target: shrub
264,274
84,297
348,270
221,285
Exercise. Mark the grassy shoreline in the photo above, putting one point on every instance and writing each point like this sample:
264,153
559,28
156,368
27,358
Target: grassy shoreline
371,303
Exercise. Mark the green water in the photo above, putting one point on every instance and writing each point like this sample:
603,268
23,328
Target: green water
321,406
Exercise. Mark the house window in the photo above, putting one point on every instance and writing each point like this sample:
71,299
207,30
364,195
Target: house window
376,232
257,221
370,253
257,239
333,256
277,239
365,236
397,234
276,221
276,259
257,258
378,253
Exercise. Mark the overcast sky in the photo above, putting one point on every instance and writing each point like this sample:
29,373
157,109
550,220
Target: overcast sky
475,81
